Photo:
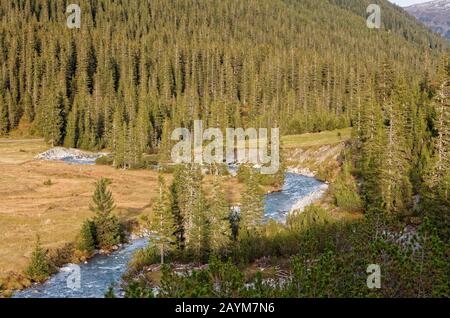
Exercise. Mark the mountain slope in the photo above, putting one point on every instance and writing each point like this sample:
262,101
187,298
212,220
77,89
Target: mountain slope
434,14
136,70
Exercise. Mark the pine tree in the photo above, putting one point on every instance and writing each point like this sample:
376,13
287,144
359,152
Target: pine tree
38,269
252,207
165,144
176,196
71,138
441,143
435,192
4,120
102,199
107,227
219,217
396,188
199,233
118,140
162,224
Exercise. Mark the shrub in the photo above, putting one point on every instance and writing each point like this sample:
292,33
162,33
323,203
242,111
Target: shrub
313,215
150,161
86,239
110,292
48,182
346,197
108,231
104,161
345,192
243,173
62,255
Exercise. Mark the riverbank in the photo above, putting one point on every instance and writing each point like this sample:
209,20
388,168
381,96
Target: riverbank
277,205
52,197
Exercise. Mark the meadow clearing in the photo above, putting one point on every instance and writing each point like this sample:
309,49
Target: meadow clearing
51,199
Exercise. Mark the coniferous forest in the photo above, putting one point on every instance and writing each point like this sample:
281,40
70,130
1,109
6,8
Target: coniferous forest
136,70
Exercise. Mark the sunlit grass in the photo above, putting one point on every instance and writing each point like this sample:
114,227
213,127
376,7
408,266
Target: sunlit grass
317,139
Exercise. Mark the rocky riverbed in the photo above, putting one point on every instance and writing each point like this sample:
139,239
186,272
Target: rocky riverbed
70,155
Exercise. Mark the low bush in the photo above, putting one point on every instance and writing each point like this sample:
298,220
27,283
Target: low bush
104,161
86,243
345,193
329,260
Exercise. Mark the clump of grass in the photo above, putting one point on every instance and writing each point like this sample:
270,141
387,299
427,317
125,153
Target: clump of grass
48,182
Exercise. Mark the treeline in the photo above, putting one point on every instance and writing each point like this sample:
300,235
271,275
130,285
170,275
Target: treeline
135,70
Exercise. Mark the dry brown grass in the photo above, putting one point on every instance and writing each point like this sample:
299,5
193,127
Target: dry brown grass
29,208
55,212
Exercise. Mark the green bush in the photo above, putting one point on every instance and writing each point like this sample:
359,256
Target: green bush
86,238
243,173
329,260
108,231
104,161
347,198
345,192
313,215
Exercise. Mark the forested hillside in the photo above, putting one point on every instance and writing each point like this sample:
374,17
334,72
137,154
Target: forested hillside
137,69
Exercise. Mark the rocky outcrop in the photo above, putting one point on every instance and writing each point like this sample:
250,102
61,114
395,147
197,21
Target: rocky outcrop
322,162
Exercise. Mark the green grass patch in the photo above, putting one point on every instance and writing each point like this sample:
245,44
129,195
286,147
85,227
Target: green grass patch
317,139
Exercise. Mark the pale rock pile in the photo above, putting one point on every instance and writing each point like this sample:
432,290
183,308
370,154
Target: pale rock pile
70,155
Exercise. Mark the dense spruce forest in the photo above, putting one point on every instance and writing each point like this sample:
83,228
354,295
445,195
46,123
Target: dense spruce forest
135,70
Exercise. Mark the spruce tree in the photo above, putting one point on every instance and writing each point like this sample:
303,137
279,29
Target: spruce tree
176,196
252,207
162,224
38,269
71,137
107,226
4,120
219,212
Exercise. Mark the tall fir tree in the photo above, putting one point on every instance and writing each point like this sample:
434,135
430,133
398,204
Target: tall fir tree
108,229
252,207
219,213
162,223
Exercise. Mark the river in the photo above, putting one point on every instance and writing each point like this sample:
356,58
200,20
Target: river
99,273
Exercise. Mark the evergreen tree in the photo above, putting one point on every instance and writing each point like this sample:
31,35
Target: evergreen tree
162,224
4,120
219,217
38,269
107,227
176,196
252,207
71,138
86,238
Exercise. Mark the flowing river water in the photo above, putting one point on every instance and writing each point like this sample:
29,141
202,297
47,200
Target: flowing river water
102,271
